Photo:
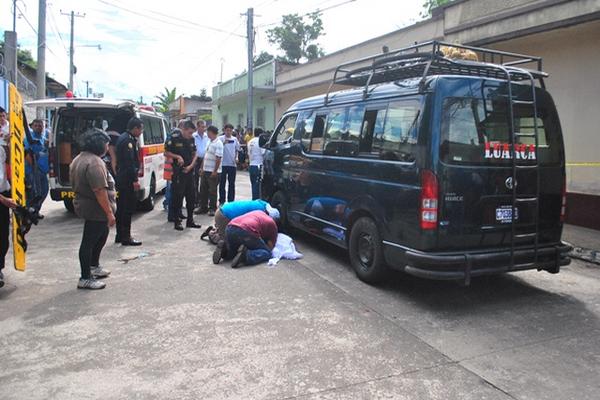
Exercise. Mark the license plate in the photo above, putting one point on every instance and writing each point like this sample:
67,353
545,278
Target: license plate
504,214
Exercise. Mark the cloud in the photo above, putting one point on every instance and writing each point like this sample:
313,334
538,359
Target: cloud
145,50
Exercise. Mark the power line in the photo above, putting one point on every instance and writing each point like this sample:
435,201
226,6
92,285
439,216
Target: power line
34,30
318,10
180,20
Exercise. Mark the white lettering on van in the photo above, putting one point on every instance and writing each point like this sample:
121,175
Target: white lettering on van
502,151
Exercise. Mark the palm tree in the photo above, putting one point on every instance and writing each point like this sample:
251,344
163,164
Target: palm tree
166,98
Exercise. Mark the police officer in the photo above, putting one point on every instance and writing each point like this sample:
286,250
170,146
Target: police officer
182,150
127,180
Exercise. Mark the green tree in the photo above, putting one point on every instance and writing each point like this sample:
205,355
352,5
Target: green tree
429,5
296,37
262,58
166,98
23,56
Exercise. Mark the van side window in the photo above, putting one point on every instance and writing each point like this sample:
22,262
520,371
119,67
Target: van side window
342,135
372,126
147,133
285,130
316,139
304,129
398,139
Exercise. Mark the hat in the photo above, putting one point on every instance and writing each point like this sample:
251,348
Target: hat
273,212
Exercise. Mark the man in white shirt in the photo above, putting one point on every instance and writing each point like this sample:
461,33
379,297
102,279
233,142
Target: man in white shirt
4,128
6,203
255,154
231,147
211,170
201,140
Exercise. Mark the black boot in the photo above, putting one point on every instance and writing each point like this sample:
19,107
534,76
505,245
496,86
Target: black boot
178,226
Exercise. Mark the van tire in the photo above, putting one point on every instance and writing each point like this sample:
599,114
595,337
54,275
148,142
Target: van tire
279,202
69,205
148,203
366,251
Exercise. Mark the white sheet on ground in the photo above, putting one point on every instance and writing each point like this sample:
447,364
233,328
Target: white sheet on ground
284,248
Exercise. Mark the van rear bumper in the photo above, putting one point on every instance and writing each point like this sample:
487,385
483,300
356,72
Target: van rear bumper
464,265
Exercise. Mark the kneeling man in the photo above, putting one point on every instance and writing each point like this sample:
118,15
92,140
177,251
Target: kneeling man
249,239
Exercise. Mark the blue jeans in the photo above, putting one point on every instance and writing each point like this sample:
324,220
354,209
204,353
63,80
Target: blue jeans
258,251
227,176
255,181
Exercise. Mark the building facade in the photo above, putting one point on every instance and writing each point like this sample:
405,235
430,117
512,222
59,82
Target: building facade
563,32
189,107
230,98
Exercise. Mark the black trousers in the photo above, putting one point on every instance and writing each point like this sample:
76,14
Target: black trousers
183,187
94,238
4,231
126,202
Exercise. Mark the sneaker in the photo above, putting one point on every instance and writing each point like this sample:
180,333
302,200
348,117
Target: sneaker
206,232
91,284
211,213
218,253
99,272
240,257
1,278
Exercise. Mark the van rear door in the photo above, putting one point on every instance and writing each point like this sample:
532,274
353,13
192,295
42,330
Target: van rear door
475,171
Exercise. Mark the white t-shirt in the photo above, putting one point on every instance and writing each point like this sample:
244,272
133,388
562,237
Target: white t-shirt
4,184
4,134
255,152
231,146
214,150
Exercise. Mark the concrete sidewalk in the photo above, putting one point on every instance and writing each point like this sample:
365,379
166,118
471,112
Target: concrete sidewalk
582,237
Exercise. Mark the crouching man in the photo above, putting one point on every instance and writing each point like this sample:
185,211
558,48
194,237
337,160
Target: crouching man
229,211
249,239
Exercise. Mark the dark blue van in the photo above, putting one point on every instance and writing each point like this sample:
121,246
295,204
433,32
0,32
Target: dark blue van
444,168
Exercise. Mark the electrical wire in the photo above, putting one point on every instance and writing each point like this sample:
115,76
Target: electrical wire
180,20
45,43
318,10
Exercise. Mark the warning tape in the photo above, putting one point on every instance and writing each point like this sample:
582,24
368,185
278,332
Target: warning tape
583,164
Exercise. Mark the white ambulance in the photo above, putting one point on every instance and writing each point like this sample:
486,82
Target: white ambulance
72,116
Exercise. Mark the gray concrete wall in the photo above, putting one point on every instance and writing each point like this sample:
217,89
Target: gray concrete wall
571,57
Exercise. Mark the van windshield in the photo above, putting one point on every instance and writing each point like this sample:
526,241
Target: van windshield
475,131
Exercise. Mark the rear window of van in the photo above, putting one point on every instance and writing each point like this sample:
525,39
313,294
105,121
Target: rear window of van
476,131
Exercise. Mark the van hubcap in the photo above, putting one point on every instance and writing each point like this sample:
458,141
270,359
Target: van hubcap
366,250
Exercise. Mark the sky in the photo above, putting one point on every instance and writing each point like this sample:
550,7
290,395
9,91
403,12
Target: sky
149,45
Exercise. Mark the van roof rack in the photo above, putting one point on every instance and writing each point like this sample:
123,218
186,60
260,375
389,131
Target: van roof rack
427,59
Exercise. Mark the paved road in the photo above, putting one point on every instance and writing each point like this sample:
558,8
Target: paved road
173,326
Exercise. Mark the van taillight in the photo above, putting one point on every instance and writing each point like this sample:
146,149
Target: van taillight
563,207
141,157
51,162
429,200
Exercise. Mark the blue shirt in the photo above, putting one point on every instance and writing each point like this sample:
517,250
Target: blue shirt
39,149
235,209
201,143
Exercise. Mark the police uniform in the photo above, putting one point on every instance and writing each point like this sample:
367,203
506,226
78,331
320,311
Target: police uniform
128,166
182,184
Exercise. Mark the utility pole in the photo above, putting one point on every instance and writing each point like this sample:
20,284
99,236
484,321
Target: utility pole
250,36
40,77
72,15
87,88
14,15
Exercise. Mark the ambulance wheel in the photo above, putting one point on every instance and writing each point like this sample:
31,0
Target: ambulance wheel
148,203
69,205
366,251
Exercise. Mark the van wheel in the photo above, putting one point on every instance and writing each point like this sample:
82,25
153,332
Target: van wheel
279,202
69,205
148,203
366,251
